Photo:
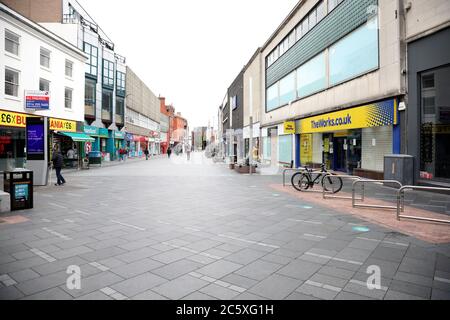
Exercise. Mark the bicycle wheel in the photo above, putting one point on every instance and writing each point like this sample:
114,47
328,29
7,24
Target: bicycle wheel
300,181
331,184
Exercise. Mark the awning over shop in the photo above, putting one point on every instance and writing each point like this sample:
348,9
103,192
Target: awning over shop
77,137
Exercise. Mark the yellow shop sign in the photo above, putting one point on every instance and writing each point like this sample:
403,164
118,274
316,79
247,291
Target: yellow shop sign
13,119
374,115
63,125
289,127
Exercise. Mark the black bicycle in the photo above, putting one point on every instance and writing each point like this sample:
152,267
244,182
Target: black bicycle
303,181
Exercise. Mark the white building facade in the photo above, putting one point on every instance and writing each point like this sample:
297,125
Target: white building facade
36,61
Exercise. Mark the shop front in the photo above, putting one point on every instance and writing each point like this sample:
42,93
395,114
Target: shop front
119,142
101,136
12,140
352,141
68,137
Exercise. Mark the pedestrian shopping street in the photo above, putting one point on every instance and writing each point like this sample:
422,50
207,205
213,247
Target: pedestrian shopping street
172,229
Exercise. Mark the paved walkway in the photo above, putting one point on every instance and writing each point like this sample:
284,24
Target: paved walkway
168,229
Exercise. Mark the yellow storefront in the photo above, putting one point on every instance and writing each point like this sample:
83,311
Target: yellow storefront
353,140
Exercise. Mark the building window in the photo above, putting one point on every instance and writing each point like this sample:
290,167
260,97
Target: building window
120,83
44,85
287,89
311,77
312,18
273,100
120,106
11,83
68,98
12,42
45,58
108,73
89,95
107,100
92,63
234,103
321,11
355,54
69,69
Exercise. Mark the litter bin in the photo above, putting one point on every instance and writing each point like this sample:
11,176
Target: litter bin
95,157
19,184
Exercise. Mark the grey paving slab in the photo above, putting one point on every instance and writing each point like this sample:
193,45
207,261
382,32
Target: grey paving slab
51,294
351,296
134,286
49,268
395,295
10,293
297,296
94,283
180,287
43,283
336,272
171,256
137,254
276,287
240,281
21,265
411,289
149,295
247,296
259,270
136,268
317,292
219,269
177,269
95,296
24,275
198,296
298,269
219,292
440,294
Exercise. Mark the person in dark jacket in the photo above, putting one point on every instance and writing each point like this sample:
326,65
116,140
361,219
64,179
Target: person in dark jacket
57,160
146,152
169,152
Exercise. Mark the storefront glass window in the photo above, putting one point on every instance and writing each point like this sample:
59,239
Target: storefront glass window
273,100
287,89
355,54
12,149
285,149
311,77
435,124
267,148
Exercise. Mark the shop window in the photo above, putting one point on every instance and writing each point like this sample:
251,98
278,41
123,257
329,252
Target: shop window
44,85
287,89
355,54
12,42
11,83
435,124
311,77
12,149
285,149
273,100
120,83
45,58
68,98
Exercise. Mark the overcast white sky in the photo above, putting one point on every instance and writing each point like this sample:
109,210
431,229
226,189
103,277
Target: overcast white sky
189,51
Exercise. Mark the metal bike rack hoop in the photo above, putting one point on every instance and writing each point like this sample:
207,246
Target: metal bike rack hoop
401,203
371,206
326,195
290,169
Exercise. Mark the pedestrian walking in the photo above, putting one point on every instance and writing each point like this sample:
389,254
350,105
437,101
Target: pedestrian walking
146,152
57,160
169,152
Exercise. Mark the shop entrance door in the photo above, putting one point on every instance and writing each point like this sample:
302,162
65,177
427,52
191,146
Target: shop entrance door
340,154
